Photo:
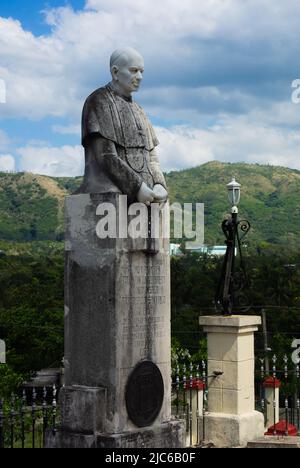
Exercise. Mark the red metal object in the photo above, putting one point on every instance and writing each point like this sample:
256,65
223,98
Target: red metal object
197,385
282,429
270,382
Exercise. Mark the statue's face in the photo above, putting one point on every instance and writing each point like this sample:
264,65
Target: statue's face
129,75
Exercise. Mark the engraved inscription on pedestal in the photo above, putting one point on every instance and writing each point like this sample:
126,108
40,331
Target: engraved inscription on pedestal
144,289
144,394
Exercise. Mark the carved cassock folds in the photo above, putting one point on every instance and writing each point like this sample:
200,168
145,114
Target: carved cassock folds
119,143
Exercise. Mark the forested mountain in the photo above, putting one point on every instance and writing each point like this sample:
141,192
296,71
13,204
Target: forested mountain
31,206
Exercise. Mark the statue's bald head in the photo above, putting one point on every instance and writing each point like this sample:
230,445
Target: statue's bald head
127,68
121,57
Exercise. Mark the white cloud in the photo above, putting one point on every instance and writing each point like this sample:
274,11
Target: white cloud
182,147
210,65
64,161
50,75
35,72
234,141
7,163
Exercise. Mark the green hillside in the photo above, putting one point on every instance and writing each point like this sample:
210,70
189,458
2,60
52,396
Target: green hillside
270,199
31,206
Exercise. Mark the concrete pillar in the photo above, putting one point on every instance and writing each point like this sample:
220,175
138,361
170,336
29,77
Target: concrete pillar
231,420
196,411
272,387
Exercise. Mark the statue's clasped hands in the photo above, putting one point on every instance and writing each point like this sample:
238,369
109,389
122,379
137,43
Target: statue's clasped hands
156,195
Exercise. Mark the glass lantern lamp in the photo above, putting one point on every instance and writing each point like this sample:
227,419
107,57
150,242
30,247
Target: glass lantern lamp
234,194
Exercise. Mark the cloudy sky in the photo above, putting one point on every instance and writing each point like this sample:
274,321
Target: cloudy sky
217,85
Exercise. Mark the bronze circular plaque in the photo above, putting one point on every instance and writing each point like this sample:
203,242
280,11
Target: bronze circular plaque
144,394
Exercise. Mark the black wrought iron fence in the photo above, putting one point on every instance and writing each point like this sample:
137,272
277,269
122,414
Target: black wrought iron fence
278,395
190,399
26,417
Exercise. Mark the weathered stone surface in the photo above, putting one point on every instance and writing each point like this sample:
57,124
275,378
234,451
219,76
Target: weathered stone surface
230,324
166,435
276,442
117,304
65,439
225,430
117,309
231,420
231,347
83,409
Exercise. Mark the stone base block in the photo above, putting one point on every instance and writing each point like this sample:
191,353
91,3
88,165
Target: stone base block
83,409
228,430
276,442
168,435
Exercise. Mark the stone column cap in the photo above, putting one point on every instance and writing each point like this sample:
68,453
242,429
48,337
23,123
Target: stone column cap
230,324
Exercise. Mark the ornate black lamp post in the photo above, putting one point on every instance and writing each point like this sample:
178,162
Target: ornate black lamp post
230,283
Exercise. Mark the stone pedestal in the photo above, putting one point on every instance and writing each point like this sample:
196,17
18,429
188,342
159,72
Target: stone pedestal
117,335
231,420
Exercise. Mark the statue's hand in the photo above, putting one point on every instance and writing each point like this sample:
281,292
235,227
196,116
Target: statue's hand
160,193
145,195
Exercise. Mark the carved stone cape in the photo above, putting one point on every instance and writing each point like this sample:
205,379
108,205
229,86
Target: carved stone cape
124,156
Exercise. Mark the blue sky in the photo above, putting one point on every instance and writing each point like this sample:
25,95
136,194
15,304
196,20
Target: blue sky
217,82
29,12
